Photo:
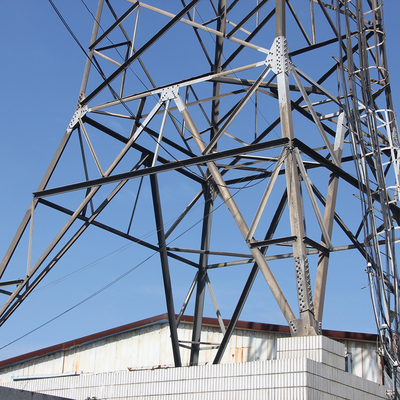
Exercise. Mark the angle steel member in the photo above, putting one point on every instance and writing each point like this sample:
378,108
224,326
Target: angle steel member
224,191
323,259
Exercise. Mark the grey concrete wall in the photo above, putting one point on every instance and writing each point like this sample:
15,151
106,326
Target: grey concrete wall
17,394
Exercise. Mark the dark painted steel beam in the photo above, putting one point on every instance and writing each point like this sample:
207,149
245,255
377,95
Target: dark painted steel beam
136,146
113,26
174,165
247,17
116,232
263,243
165,270
208,194
202,276
248,39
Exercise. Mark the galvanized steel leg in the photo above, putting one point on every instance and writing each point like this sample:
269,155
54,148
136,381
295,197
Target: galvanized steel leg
306,324
323,260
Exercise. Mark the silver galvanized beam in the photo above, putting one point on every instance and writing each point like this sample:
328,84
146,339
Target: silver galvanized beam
306,325
249,283
322,270
230,203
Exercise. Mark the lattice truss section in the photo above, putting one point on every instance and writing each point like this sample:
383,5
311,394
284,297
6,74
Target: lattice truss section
228,128
375,141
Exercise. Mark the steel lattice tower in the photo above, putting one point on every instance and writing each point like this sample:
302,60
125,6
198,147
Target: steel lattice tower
263,108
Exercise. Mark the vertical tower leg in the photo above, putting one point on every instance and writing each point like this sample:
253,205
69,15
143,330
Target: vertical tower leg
306,324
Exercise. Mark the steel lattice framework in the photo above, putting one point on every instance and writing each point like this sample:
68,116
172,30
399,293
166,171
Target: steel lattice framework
261,107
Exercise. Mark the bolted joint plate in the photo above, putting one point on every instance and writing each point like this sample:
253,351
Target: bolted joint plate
395,137
278,56
169,93
306,325
303,282
79,113
213,187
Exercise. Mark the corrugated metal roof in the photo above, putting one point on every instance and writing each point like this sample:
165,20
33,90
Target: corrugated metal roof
162,319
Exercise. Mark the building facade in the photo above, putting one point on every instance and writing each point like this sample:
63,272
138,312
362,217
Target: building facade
146,345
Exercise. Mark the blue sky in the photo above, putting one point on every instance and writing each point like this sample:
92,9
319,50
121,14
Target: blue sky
41,73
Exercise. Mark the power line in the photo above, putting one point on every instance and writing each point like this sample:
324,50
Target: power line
68,28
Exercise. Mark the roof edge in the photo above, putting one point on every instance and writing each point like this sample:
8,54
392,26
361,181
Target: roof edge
163,318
